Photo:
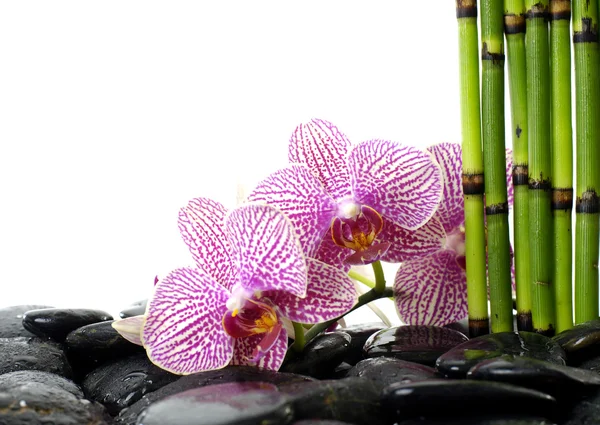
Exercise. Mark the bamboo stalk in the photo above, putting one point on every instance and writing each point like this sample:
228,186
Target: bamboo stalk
587,205
562,160
538,119
472,174
494,161
514,28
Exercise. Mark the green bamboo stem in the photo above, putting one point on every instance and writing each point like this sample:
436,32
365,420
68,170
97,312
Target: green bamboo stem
538,119
472,174
587,205
562,160
494,161
514,28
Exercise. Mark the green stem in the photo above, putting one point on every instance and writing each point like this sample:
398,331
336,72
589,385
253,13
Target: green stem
364,299
353,274
494,161
299,340
587,205
472,174
540,214
379,277
514,28
562,160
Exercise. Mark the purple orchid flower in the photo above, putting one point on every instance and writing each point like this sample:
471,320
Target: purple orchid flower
432,290
251,278
356,204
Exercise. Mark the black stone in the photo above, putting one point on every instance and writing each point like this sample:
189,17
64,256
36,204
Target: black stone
57,323
120,383
320,422
136,309
340,371
320,356
228,374
224,404
585,412
558,380
581,342
457,362
38,403
383,371
413,343
462,326
33,354
91,345
497,419
592,364
11,320
354,400
359,334
18,378
447,398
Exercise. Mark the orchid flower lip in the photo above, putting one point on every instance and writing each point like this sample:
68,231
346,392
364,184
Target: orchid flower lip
348,208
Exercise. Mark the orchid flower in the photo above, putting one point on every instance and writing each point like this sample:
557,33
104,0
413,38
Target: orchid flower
354,205
251,278
432,290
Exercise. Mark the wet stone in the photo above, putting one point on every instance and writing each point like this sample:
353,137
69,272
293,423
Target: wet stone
354,400
555,379
482,420
57,323
359,334
18,378
320,422
33,354
418,344
11,320
383,371
224,404
585,412
581,342
136,309
320,356
448,398
457,362
462,326
39,403
120,383
228,374
592,364
340,371
91,345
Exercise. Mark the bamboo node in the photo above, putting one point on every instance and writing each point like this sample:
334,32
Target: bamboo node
466,9
514,24
588,33
478,327
587,203
501,208
520,175
539,184
538,10
524,321
473,184
560,9
562,199
495,57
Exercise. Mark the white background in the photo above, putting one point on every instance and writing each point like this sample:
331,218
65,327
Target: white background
114,114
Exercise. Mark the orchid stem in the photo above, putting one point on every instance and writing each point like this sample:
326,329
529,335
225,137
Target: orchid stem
379,277
514,29
299,339
587,204
562,160
353,274
472,173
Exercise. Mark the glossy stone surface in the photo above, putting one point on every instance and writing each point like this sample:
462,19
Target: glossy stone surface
18,378
120,383
353,400
320,356
418,344
202,379
224,404
11,320
447,398
33,354
136,309
57,323
359,334
555,379
581,342
457,362
383,371
497,419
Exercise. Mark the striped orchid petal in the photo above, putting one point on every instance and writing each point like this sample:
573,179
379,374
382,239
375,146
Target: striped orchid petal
431,290
130,328
331,253
450,212
183,332
201,227
330,293
270,359
409,244
509,181
400,182
320,146
266,250
302,198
